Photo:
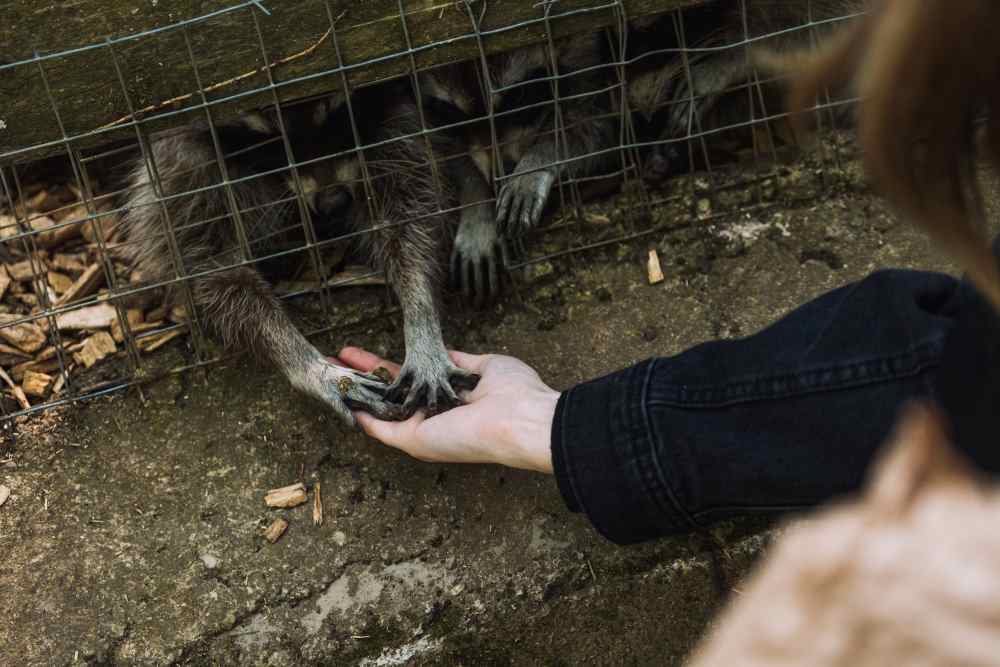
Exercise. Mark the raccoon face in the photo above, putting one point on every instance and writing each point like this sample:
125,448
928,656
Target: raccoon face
319,132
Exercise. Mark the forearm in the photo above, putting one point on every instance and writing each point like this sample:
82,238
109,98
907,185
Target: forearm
784,419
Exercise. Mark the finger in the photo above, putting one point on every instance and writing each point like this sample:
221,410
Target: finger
365,361
401,435
469,362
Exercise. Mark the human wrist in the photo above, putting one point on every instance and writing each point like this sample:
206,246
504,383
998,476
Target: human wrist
530,431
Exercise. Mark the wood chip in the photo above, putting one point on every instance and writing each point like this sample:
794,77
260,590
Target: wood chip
10,356
47,366
104,224
51,233
133,317
8,226
92,317
95,348
653,270
4,282
274,532
158,313
596,218
26,336
59,282
85,285
317,505
4,494
24,270
157,341
68,263
36,384
18,392
178,314
60,382
287,496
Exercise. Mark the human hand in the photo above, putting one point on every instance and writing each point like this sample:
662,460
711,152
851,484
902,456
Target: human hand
507,418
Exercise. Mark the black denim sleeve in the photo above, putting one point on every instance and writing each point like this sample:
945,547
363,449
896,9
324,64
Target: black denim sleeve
782,420
604,462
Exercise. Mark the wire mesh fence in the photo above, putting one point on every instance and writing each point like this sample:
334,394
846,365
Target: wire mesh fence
184,218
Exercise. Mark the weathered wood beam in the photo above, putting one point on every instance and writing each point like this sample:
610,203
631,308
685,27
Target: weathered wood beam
93,88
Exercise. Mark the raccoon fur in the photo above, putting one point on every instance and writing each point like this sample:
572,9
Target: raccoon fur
673,94
192,227
532,155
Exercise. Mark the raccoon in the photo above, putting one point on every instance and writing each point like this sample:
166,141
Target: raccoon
672,93
518,87
223,221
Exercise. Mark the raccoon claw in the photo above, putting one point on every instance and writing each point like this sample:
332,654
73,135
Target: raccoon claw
433,389
522,200
345,390
477,262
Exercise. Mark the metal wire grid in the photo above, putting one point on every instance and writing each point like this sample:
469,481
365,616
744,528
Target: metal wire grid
625,151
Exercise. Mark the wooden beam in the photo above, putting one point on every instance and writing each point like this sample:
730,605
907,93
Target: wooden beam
158,61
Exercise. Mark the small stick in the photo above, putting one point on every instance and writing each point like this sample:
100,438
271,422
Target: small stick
317,506
653,270
221,84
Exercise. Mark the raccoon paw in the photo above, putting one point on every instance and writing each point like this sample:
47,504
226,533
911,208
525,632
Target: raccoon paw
345,389
431,384
478,260
522,200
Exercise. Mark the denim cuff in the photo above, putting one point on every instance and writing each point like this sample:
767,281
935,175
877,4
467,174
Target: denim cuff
601,443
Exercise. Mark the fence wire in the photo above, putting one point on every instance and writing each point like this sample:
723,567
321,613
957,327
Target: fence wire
647,109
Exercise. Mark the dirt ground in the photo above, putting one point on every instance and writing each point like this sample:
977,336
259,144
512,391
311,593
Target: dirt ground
132,535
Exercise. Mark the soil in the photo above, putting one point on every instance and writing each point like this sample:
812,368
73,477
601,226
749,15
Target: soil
132,534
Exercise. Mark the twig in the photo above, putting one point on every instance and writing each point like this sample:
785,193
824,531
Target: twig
221,84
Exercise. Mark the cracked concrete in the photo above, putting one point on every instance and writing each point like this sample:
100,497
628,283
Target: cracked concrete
132,533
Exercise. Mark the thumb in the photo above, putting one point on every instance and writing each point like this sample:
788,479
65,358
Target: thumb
401,435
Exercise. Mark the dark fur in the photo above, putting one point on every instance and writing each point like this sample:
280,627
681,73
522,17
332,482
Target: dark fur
532,156
668,105
237,303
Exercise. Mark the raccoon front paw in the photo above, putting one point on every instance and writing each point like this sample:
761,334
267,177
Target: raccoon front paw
522,200
478,260
432,384
345,389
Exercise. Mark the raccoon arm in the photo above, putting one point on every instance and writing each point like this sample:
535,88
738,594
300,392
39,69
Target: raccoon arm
240,307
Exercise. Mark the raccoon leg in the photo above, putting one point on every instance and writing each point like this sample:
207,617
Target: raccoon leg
240,306
478,253
428,376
